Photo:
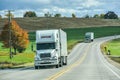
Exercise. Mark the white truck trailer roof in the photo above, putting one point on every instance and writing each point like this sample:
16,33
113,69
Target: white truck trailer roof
46,36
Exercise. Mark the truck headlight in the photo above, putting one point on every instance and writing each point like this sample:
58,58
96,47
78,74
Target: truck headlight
36,58
54,57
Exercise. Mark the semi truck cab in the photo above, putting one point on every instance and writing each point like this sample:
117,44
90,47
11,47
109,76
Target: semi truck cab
50,49
89,36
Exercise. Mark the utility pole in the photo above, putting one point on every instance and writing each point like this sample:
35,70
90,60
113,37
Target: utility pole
10,39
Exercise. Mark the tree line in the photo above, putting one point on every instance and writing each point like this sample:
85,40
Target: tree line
108,15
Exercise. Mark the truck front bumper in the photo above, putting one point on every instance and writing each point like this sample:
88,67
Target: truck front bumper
45,62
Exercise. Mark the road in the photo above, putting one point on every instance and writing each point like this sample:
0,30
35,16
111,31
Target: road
85,62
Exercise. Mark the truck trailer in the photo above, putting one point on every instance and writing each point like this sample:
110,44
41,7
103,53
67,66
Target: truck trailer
89,36
51,48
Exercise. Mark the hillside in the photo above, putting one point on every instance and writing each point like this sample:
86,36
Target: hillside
42,23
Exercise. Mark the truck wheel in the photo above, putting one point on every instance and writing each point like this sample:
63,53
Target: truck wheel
36,67
61,62
57,66
66,60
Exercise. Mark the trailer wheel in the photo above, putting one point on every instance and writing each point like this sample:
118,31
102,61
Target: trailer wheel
65,60
61,62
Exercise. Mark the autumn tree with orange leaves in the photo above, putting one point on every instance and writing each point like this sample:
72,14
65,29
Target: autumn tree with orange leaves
19,37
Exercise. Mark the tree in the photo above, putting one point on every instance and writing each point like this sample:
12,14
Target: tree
96,16
110,15
58,15
87,16
73,15
0,16
0,36
11,15
19,37
102,16
30,14
48,14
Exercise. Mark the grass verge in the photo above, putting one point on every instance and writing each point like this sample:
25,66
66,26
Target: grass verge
114,47
19,59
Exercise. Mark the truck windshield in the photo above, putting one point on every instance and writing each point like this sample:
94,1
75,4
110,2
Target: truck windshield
87,36
43,46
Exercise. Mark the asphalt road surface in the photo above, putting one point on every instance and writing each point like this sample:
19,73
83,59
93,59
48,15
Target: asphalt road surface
85,62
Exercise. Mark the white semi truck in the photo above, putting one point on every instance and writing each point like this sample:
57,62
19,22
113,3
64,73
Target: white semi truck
51,48
89,36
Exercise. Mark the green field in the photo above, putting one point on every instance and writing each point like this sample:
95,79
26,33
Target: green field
20,58
114,47
74,35
77,34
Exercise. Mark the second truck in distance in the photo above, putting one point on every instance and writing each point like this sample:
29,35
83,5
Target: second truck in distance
89,36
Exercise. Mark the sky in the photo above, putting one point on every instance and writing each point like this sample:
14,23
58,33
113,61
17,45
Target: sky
65,7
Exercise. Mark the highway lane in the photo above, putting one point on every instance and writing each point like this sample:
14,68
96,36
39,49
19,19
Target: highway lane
85,62
41,74
93,67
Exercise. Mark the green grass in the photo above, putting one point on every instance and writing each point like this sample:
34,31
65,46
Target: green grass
114,47
77,34
74,35
20,58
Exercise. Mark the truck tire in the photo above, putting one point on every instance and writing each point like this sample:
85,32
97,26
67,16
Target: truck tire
61,62
65,60
57,66
36,67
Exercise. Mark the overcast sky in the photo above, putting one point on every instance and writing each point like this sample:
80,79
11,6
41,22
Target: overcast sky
65,7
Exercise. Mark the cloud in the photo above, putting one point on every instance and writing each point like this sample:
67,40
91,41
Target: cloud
56,9
60,10
46,10
90,4
64,7
38,1
41,12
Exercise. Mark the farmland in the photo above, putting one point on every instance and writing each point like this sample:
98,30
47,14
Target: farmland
75,34
32,24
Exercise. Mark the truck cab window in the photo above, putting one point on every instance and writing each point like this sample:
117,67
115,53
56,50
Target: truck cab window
43,46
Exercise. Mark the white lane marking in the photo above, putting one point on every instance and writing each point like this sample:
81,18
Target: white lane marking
108,63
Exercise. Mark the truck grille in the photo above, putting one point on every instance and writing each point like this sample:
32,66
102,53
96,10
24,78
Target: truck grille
45,55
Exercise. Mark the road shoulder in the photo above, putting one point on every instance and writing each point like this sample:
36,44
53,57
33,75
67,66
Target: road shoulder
116,64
